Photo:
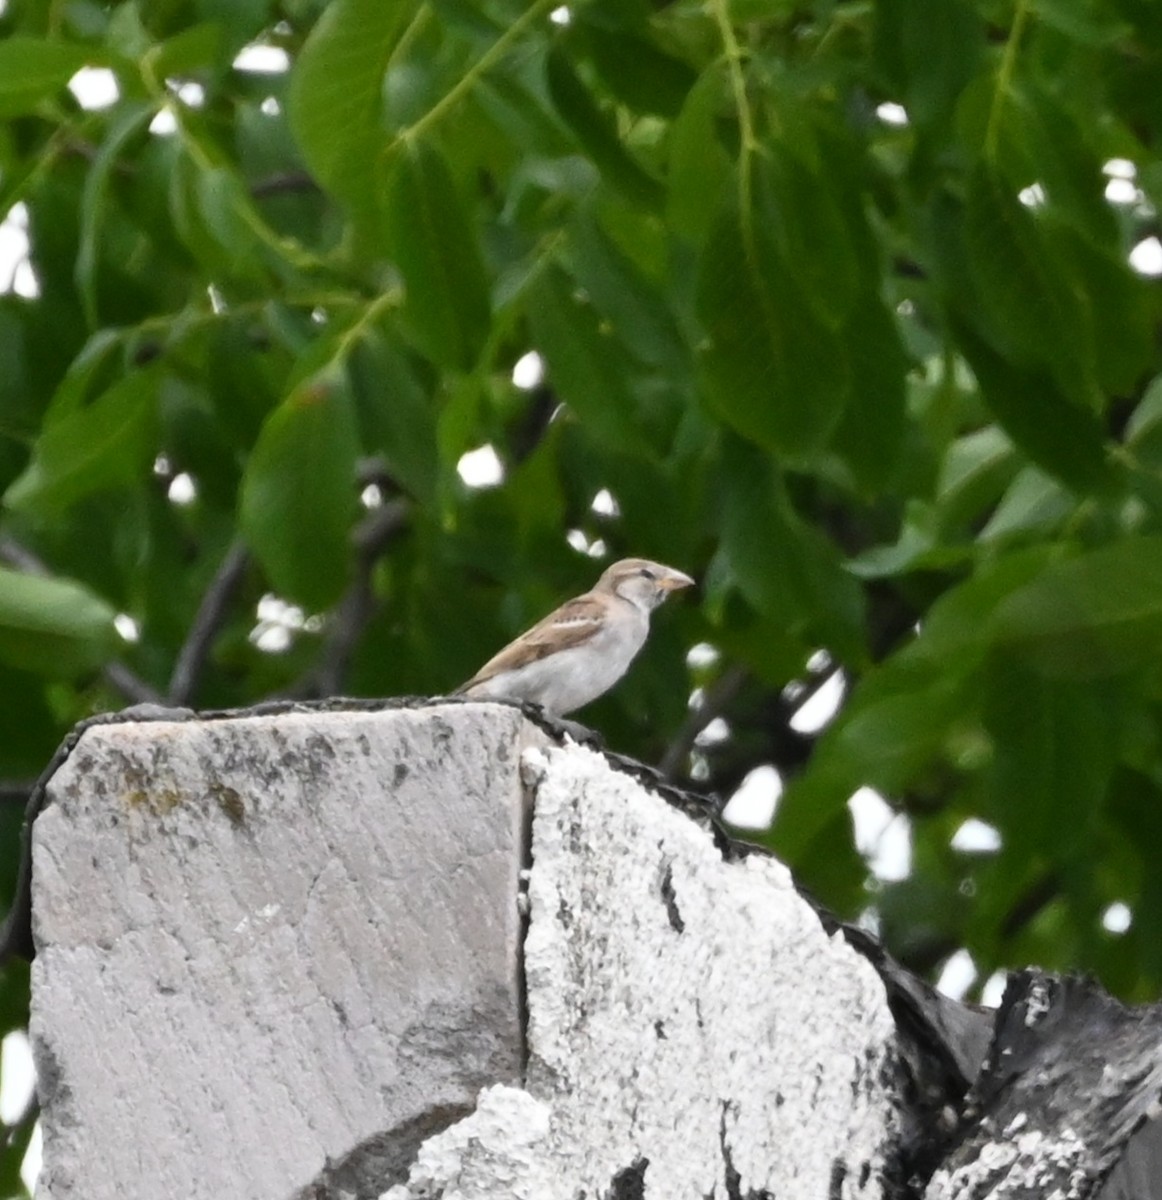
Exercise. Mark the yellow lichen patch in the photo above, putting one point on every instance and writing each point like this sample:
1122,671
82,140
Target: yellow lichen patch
159,800
230,802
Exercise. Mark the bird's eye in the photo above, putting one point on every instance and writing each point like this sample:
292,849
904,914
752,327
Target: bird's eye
648,573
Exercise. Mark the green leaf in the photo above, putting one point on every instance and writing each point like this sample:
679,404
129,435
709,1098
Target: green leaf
771,370
1120,309
105,444
637,72
637,308
215,219
33,69
917,548
1055,745
597,134
395,413
1064,439
902,723
433,242
870,433
1092,616
1035,137
245,376
298,492
1144,442
194,441
1032,309
586,364
907,714
335,103
619,14
95,197
94,368
193,49
811,232
521,110
19,407
189,221
700,168
53,627
1090,24
786,568
238,21
466,17
228,213
1136,810
929,49
1034,503
976,470
932,679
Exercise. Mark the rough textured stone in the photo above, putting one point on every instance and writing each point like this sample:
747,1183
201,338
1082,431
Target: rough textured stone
281,957
501,1150
693,1029
276,953
1067,1103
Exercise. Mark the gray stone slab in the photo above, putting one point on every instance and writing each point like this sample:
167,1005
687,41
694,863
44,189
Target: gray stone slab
273,950
695,1033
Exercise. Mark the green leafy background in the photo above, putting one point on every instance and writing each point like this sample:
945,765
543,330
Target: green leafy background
848,305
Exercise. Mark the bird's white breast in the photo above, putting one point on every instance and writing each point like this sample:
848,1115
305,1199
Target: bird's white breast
570,678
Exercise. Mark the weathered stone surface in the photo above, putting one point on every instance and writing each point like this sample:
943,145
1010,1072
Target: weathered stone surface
502,1150
1067,1104
281,956
275,950
693,1030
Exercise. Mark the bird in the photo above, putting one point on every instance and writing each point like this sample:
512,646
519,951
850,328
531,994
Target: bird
580,650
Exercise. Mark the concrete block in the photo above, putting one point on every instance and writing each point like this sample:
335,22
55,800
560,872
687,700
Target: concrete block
694,1032
283,958
274,953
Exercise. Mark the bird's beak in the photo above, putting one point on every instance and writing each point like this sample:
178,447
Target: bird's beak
673,581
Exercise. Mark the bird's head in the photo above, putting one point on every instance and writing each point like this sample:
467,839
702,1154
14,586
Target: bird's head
642,582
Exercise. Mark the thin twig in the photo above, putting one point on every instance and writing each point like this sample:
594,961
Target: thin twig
531,428
373,534
769,714
801,692
131,686
716,698
207,624
16,791
1030,904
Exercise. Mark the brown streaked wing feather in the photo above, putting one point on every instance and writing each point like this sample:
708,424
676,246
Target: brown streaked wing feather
570,625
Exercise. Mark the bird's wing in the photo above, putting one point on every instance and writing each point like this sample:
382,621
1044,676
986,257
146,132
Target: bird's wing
573,624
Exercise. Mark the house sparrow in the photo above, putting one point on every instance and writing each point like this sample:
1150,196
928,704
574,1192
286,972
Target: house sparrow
579,651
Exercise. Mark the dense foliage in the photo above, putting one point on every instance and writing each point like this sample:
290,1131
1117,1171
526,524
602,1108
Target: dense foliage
845,304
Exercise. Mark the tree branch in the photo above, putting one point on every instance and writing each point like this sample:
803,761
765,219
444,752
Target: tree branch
1029,905
16,791
720,693
130,685
371,538
763,732
207,624
529,430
